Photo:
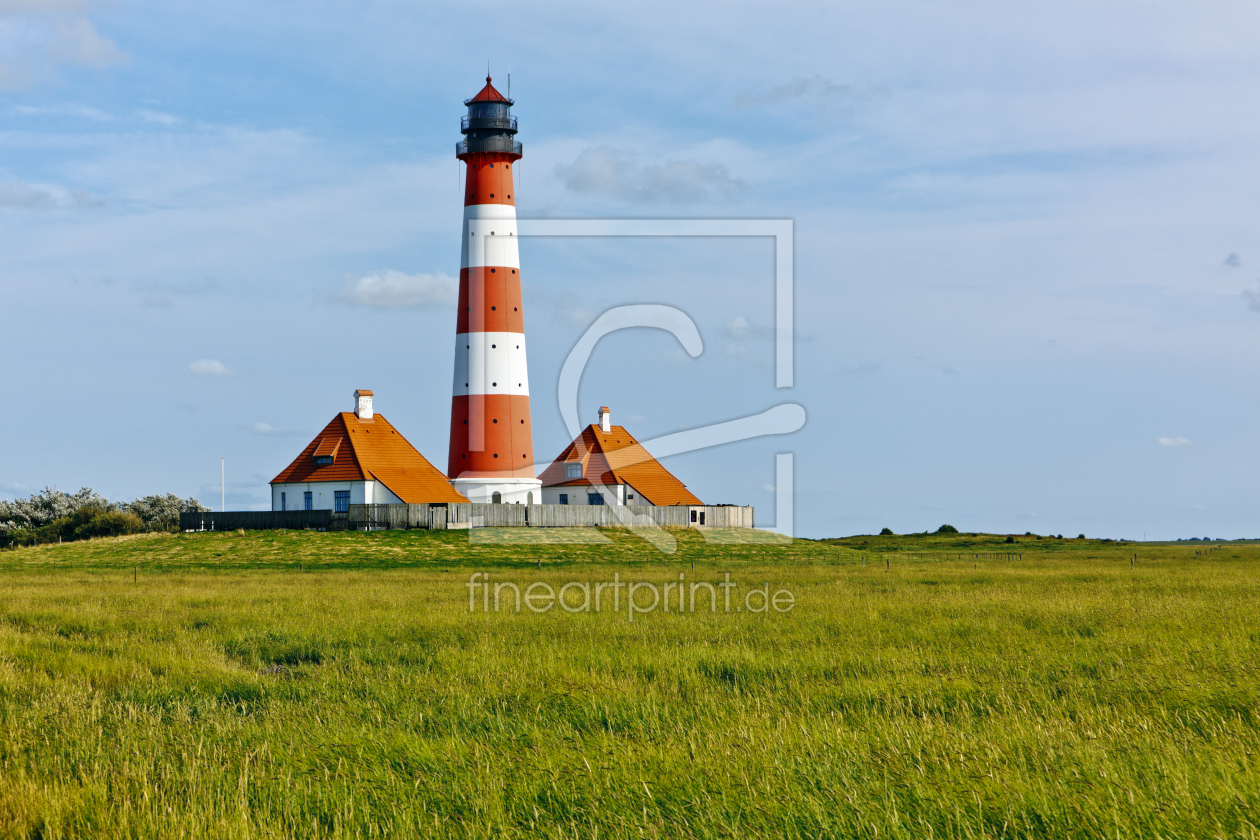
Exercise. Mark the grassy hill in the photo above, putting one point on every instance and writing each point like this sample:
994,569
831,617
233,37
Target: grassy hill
305,684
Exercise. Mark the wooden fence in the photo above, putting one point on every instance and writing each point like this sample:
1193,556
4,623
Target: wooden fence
257,520
547,516
442,516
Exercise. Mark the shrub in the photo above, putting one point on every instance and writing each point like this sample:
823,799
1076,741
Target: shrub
161,512
1080,536
947,529
51,516
109,523
1010,539
887,532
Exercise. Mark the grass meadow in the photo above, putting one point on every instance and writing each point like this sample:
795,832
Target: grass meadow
337,685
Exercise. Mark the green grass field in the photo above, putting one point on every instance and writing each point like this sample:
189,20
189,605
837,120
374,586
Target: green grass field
303,684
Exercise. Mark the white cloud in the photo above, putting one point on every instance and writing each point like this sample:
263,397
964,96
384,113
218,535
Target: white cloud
38,35
157,117
1173,441
77,42
394,290
19,196
209,367
740,327
769,488
161,295
1232,261
268,429
743,354
817,93
604,171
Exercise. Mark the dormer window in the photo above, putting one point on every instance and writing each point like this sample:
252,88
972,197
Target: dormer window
572,471
326,452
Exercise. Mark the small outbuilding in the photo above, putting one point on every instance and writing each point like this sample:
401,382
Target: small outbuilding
605,465
359,458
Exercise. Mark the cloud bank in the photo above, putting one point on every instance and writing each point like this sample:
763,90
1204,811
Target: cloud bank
606,172
391,289
209,367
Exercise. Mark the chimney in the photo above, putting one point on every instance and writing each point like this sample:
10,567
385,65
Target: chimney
605,419
363,404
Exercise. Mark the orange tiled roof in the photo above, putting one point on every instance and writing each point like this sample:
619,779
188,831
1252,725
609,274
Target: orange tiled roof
615,457
365,450
487,94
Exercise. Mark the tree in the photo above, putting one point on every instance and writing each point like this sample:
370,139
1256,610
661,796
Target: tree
947,529
887,532
161,513
46,506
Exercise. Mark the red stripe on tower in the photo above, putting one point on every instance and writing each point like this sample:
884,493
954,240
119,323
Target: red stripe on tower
492,453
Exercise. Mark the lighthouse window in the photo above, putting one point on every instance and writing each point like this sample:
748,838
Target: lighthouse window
492,271
494,346
493,308
495,420
494,384
496,454
492,195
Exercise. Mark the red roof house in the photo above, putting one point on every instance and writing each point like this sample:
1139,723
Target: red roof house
606,465
359,458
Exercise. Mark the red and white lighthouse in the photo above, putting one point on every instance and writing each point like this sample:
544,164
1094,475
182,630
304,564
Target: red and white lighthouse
492,451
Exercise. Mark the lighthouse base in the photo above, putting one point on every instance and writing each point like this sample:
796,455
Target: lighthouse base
510,491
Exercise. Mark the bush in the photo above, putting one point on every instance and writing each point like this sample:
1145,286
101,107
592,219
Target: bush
161,513
53,516
947,529
1080,536
109,523
887,532
1010,539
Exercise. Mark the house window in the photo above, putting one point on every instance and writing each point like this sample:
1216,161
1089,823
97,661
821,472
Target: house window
701,517
693,516
564,498
594,499
496,498
283,501
323,460
572,471
341,501
309,500
629,496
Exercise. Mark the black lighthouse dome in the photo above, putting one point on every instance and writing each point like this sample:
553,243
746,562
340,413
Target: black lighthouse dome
489,125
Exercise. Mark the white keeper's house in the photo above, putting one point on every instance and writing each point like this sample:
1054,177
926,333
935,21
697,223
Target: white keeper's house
359,458
605,465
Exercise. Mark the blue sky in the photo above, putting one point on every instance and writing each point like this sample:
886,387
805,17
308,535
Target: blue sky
1027,257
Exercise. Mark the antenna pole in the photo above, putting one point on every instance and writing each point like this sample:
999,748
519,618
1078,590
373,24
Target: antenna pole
222,486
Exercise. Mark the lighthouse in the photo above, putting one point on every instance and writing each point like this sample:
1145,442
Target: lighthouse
492,452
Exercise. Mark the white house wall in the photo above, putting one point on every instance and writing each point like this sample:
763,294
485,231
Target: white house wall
323,498
613,494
